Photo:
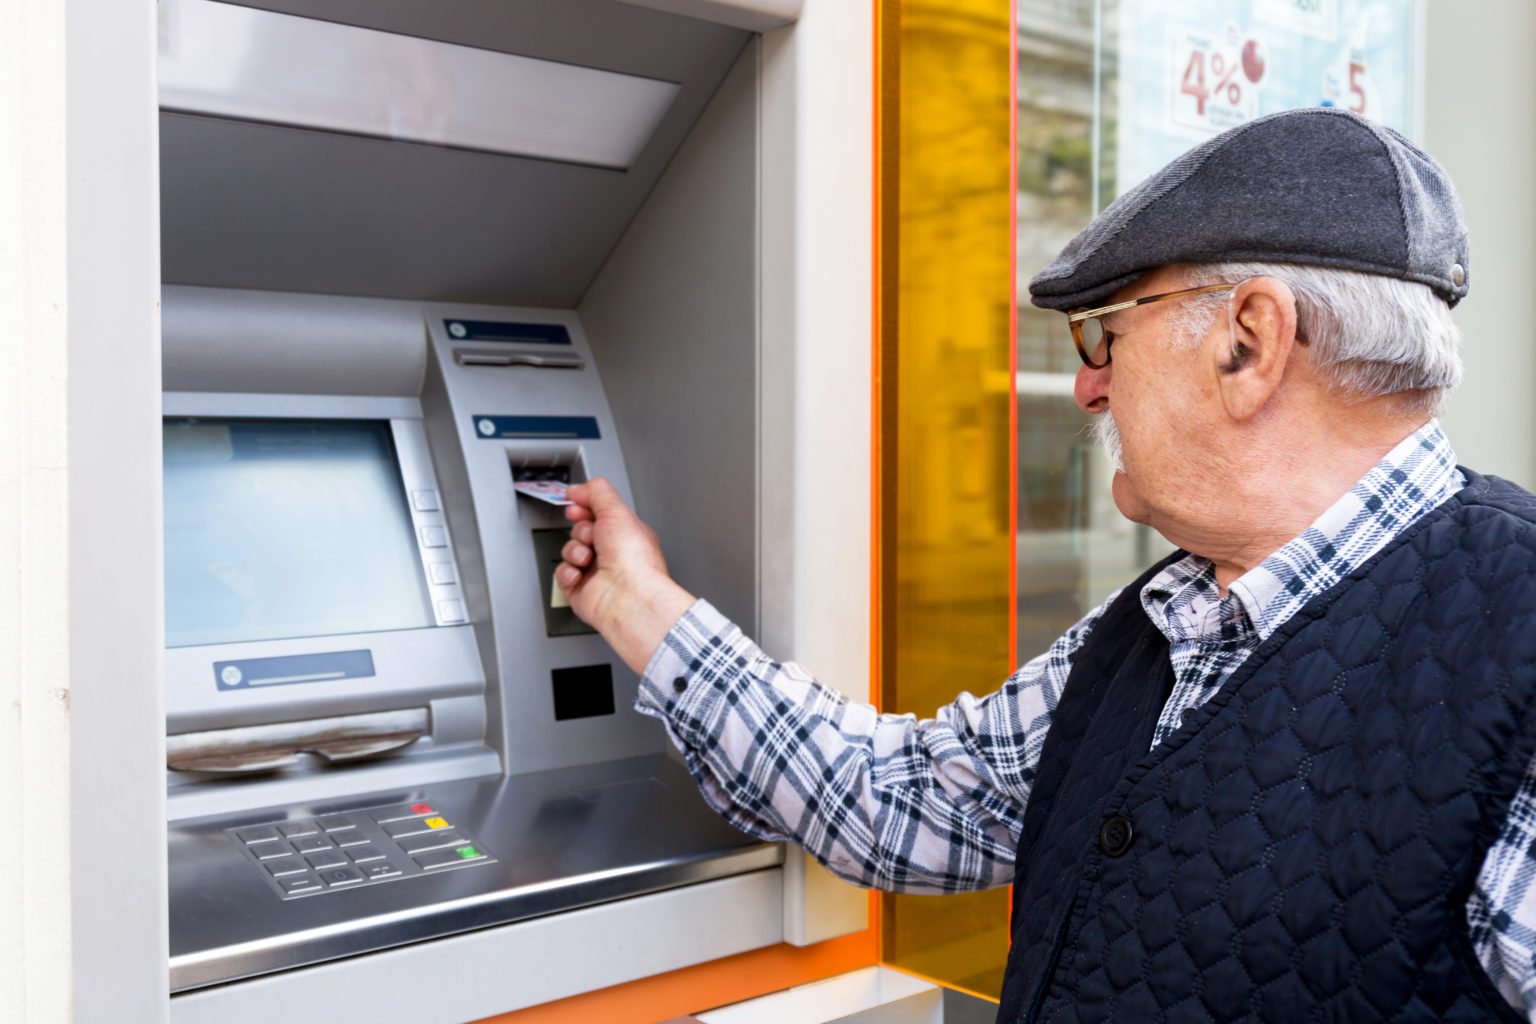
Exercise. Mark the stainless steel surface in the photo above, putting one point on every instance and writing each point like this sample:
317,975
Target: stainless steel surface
673,323
560,839
254,206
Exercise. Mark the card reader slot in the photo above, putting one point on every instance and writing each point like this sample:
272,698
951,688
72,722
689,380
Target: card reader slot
565,462
269,747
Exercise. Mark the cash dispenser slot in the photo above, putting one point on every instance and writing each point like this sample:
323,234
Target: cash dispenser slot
269,747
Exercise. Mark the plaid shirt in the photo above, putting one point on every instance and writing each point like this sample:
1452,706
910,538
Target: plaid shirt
937,805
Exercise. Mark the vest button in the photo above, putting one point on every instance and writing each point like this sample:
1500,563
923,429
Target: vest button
1115,835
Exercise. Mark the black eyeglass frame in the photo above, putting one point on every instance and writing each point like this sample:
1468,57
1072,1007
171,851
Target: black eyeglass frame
1076,319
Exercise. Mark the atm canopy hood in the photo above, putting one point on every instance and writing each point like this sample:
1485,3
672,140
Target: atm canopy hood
282,207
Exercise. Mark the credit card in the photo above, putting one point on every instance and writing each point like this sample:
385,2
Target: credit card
550,491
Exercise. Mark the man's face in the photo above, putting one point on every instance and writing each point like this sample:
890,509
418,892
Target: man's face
1151,401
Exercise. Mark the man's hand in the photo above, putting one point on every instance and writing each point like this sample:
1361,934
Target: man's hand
615,576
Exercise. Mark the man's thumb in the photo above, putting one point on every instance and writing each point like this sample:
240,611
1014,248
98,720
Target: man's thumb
604,498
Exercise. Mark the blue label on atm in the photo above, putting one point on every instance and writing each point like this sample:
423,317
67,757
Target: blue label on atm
512,333
249,673
536,428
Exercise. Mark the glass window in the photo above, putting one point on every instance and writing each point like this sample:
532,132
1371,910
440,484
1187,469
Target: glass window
1073,546
1109,91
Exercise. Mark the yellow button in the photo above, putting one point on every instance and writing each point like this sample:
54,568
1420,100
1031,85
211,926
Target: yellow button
436,823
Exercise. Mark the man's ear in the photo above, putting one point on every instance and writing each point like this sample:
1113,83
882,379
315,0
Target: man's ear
1261,313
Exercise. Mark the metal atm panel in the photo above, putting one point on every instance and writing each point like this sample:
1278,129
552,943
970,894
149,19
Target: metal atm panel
534,789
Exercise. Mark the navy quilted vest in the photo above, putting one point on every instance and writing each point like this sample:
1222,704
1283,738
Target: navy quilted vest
1303,847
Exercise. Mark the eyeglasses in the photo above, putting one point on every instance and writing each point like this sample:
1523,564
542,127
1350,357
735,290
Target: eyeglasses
1093,341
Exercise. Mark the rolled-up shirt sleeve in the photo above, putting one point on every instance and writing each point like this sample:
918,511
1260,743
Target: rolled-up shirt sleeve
887,801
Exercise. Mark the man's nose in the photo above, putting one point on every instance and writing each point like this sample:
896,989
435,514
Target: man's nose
1091,389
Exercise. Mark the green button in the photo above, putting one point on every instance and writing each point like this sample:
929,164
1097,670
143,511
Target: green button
468,851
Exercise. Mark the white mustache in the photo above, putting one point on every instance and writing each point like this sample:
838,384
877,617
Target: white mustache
1107,435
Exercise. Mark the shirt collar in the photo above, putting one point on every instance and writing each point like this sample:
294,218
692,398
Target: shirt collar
1415,477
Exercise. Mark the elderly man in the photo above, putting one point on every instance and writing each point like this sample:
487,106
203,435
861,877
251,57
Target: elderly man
1287,773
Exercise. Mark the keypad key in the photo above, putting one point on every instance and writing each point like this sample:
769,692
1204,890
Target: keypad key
335,823
337,877
433,859
263,834
328,859
299,883
377,871
271,851
293,829
285,866
432,841
412,827
399,812
312,844
365,854
356,837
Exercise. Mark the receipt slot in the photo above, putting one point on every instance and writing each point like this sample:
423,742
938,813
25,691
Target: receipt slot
392,748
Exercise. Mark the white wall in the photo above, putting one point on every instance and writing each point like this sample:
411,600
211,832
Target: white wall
82,879
1480,124
34,632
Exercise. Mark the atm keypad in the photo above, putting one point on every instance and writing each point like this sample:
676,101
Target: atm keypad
302,857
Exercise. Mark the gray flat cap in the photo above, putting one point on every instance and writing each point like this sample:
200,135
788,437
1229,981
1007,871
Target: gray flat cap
1318,186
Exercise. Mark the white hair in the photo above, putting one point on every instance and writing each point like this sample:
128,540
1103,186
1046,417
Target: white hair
1370,335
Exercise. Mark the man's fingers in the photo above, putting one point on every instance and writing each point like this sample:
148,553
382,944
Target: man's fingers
577,513
583,532
567,576
577,554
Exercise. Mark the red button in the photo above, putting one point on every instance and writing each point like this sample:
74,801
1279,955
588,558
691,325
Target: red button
421,808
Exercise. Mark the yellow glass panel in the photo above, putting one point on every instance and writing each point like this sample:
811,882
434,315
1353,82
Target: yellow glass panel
946,411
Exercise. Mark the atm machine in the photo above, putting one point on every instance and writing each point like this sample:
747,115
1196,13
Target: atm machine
404,781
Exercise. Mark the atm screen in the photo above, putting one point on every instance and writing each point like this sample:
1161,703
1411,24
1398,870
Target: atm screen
278,529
